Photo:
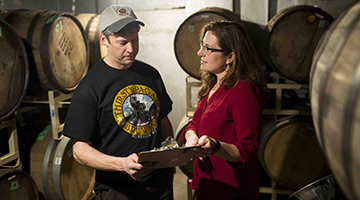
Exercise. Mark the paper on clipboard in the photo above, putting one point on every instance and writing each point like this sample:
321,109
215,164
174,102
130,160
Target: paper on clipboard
167,158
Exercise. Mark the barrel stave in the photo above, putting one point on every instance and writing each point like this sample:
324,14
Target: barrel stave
188,168
187,36
290,39
61,61
17,184
56,172
14,71
334,98
90,25
290,154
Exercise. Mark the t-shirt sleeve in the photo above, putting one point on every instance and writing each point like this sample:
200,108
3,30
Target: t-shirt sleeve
165,100
247,114
81,120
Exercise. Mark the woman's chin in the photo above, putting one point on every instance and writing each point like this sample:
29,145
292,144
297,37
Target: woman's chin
203,68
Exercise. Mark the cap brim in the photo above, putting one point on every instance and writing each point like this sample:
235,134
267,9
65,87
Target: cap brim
117,26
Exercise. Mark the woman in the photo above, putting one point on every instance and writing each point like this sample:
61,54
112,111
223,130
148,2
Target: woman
227,120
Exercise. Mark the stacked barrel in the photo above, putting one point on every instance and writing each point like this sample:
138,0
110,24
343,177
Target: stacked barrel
335,73
289,151
187,37
90,23
57,55
14,70
42,51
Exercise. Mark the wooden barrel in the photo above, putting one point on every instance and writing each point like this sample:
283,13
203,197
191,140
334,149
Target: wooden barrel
90,25
290,154
335,86
17,185
14,70
56,172
186,43
58,44
186,169
290,39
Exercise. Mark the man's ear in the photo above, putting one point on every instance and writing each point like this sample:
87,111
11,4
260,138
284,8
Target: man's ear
230,58
103,40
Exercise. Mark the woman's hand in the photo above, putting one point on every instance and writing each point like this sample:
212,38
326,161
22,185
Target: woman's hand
206,143
191,138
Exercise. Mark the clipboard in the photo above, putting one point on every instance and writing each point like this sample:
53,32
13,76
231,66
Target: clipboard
167,158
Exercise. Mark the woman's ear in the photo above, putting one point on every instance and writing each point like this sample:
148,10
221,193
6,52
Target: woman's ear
230,58
103,40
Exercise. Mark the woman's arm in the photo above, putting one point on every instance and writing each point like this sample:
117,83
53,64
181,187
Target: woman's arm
226,151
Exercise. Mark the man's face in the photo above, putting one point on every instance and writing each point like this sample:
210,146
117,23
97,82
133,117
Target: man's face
123,49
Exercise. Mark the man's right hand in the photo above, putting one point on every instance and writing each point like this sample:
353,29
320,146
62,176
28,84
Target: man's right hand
135,169
85,154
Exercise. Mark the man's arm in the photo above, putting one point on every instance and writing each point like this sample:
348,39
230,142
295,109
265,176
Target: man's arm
85,154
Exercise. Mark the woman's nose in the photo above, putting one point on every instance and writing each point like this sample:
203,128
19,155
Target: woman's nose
200,53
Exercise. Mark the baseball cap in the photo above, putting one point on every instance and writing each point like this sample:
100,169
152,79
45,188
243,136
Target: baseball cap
116,17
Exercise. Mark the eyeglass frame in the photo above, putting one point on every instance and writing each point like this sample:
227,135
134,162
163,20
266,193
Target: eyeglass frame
206,49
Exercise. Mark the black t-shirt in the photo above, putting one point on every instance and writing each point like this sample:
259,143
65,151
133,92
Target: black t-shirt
119,112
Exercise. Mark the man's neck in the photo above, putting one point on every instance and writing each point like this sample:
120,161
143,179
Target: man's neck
115,64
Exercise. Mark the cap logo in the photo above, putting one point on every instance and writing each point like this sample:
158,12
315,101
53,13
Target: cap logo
122,11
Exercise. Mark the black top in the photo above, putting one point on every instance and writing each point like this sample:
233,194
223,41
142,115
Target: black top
119,112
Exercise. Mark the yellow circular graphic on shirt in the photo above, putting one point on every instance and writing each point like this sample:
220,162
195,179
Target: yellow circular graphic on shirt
136,110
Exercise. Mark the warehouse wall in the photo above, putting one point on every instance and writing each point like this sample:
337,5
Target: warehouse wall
58,5
163,17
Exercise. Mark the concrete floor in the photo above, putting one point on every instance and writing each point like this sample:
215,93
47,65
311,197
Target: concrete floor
180,185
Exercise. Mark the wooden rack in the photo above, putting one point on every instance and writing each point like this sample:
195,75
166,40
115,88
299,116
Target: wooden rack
55,101
190,83
274,191
190,191
13,144
279,87
267,190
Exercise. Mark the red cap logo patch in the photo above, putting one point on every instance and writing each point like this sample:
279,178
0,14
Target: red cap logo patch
122,11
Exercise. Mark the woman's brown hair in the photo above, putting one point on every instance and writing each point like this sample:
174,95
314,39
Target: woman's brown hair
233,37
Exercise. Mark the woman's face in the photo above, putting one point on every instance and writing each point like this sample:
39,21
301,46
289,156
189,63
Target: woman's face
212,61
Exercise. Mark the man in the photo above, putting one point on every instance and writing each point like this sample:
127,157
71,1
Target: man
119,109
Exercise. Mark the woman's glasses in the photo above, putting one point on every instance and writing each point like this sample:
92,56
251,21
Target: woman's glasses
208,50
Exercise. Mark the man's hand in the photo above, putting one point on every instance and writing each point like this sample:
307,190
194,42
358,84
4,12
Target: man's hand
135,169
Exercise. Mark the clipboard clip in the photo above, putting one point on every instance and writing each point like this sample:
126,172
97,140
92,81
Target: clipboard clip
168,144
